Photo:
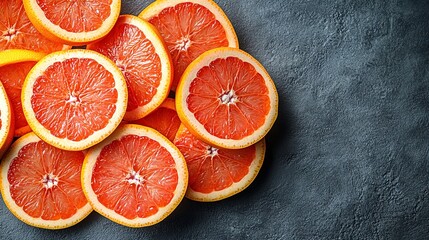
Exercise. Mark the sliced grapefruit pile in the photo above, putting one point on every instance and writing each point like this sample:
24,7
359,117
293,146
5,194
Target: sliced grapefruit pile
158,106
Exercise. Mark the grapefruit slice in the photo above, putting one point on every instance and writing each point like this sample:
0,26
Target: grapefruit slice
74,99
73,22
14,67
41,184
189,28
137,49
17,32
136,177
214,173
164,119
227,98
7,121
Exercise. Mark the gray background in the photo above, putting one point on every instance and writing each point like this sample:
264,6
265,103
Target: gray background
348,157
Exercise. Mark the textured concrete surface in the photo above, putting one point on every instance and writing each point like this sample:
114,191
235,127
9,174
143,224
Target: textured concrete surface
348,157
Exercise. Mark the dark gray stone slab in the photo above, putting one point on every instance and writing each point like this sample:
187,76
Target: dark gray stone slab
348,157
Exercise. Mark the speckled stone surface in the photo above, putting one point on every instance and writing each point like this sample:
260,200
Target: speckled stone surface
348,157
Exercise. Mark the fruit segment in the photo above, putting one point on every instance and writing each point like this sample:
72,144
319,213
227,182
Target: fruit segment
190,28
73,22
164,119
215,173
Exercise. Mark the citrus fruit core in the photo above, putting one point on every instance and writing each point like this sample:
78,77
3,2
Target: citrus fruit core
74,95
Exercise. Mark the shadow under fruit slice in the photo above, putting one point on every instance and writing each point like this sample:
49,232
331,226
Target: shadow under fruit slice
189,28
136,177
137,49
74,99
215,173
41,184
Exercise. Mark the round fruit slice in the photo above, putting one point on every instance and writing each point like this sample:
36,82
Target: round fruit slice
73,22
16,30
189,28
227,98
137,49
7,121
214,173
74,99
41,184
164,119
14,67
136,177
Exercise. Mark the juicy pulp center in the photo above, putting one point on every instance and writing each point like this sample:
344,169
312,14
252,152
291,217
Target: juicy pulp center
212,151
49,181
134,177
183,44
10,33
228,97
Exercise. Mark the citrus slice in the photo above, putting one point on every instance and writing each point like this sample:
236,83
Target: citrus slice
189,28
16,30
41,184
137,49
164,119
73,22
74,99
227,98
7,121
14,67
136,177
215,173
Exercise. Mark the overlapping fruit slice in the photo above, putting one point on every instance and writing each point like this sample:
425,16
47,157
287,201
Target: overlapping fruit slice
14,67
17,32
214,173
227,98
73,22
41,184
74,99
164,119
189,28
137,49
136,177
7,121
